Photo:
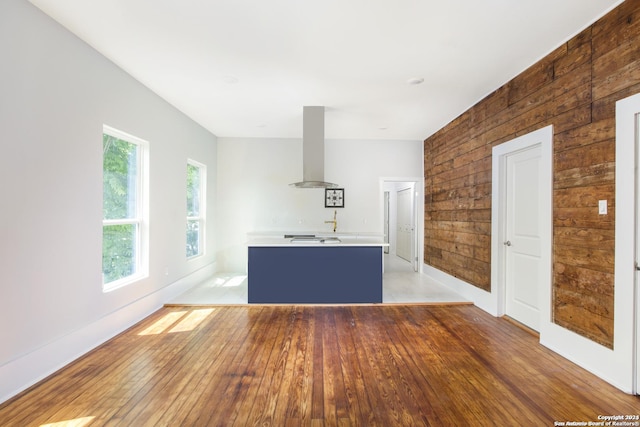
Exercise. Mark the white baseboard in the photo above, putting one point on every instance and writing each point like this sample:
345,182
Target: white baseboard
20,374
614,367
483,299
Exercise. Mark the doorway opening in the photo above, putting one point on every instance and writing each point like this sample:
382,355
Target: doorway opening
401,218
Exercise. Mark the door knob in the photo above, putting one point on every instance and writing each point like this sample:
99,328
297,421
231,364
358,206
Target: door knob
507,243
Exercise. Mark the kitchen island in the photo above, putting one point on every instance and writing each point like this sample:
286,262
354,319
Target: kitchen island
315,269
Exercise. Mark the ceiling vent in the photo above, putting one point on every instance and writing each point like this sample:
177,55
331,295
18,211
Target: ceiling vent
313,150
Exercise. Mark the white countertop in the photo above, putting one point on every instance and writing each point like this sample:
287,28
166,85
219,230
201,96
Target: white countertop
323,240
322,233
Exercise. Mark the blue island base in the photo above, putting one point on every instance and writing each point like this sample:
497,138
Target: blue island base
315,275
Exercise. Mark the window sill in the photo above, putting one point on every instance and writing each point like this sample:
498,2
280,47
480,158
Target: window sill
120,283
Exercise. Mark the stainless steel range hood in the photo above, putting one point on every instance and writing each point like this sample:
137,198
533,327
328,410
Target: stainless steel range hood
313,150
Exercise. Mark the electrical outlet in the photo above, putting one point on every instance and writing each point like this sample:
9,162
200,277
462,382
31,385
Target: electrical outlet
602,207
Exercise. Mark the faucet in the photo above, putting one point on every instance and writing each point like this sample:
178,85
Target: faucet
334,221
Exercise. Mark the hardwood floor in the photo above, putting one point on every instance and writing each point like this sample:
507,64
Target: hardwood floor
383,365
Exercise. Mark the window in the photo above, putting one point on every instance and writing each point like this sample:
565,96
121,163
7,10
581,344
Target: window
196,196
124,237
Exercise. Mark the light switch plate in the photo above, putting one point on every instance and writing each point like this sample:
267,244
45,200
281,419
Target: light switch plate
602,207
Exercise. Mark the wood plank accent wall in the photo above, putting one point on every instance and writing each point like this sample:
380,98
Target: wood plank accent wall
575,89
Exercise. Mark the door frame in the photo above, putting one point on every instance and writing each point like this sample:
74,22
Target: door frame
543,138
385,218
626,325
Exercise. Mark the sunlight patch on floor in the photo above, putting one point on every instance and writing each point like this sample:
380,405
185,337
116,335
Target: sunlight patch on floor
228,281
184,323
222,288
76,422
162,324
192,320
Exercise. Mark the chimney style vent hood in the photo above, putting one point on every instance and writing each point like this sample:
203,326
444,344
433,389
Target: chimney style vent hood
313,150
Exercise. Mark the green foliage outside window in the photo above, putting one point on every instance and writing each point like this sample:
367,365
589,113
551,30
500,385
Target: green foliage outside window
193,238
118,251
194,186
193,190
120,193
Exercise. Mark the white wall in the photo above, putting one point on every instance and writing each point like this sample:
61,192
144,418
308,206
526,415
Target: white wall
254,192
55,95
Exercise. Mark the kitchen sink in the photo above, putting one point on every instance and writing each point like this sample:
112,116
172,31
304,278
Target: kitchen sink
330,240
306,238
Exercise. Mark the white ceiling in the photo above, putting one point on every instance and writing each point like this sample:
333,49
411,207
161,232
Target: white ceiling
245,68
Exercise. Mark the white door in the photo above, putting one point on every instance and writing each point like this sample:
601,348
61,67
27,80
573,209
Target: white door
404,224
523,237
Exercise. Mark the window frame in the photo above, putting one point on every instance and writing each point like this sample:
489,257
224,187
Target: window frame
141,218
201,218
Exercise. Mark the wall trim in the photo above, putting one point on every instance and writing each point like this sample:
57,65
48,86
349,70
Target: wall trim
595,358
542,138
26,371
589,355
626,294
481,298
585,353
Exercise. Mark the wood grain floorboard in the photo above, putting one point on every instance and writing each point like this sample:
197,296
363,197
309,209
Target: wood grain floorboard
375,365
